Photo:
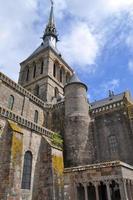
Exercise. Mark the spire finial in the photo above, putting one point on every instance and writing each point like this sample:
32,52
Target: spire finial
52,2
51,28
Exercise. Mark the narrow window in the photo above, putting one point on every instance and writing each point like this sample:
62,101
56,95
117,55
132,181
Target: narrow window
36,90
34,71
27,74
54,70
113,144
27,168
61,74
36,116
56,92
11,102
67,78
42,63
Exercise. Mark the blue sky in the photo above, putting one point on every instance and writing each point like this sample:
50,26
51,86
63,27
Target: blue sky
96,39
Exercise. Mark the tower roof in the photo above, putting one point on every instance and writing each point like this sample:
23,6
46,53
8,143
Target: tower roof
75,79
50,29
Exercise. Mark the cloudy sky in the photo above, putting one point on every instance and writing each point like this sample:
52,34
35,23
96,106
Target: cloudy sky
96,39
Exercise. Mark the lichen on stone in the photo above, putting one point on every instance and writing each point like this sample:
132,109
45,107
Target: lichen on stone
57,140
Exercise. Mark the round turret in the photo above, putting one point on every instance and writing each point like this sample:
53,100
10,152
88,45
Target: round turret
76,98
76,137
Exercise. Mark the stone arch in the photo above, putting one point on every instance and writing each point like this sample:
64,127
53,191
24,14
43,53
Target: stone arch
91,192
115,190
102,190
80,192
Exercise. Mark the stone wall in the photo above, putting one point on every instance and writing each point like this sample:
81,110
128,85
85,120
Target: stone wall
113,136
47,164
22,105
5,158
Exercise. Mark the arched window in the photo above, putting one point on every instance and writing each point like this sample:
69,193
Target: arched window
27,169
42,63
11,102
61,75
54,70
36,90
34,70
56,92
27,73
36,116
113,144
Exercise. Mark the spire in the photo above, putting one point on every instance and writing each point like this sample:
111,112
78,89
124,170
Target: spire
51,28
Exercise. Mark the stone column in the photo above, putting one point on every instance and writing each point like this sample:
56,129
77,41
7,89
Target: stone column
129,190
96,191
121,187
131,187
75,191
108,190
86,192
125,190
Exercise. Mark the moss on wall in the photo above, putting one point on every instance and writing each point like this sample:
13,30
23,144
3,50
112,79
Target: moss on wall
17,146
58,164
57,140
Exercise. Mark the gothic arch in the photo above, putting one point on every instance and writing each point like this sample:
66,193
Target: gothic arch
27,170
11,102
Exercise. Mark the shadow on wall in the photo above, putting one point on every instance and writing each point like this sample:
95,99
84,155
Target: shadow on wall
5,160
42,183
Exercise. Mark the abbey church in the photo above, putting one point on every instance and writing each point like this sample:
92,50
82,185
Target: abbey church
54,143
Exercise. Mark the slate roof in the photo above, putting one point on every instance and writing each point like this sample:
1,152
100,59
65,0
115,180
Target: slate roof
42,47
74,79
107,101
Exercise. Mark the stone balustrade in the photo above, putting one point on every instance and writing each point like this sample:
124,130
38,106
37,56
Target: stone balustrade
4,112
23,91
106,108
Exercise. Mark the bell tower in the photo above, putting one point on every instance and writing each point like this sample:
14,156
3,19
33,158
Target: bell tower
44,73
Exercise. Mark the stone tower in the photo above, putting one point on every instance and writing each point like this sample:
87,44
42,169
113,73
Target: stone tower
76,144
44,72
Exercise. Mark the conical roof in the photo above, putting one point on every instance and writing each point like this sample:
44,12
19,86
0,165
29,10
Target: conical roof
74,79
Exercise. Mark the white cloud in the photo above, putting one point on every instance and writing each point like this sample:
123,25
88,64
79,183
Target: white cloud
110,85
79,46
16,33
130,66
